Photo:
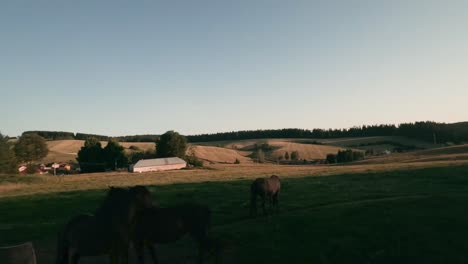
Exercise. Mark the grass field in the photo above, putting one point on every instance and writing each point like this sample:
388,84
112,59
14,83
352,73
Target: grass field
408,215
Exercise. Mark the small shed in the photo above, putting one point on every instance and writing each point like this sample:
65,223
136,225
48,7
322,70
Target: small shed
145,165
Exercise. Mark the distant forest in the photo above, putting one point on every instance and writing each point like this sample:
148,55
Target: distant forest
427,131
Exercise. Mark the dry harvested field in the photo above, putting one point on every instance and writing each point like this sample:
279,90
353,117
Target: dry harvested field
306,151
212,154
229,151
338,142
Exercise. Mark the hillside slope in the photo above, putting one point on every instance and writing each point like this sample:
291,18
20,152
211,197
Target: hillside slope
66,150
451,153
220,155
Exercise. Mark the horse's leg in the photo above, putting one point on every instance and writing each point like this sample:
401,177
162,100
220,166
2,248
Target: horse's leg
75,258
253,204
71,255
124,253
201,251
112,258
270,204
276,202
153,252
139,248
263,204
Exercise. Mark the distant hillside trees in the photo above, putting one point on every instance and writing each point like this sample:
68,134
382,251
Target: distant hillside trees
83,136
7,156
138,138
30,147
61,135
427,131
260,156
345,156
171,144
52,135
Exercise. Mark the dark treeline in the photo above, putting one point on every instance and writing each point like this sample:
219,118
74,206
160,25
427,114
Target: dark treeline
83,136
427,131
52,135
58,135
138,138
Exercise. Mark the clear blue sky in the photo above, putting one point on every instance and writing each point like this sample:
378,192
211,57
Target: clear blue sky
134,67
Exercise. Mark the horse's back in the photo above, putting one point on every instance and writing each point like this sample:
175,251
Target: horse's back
269,186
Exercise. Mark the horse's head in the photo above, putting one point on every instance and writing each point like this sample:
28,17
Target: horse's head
142,196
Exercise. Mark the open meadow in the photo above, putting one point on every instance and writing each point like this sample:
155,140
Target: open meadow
370,213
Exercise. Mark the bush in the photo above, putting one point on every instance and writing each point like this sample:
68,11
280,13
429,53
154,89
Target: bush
193,161
294,155
31,169
331,158
237,161
349,155
136,156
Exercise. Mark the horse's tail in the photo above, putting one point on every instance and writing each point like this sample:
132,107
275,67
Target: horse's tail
62,247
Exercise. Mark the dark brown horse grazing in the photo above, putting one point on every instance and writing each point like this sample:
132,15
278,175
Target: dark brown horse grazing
106,232
165,225
267,189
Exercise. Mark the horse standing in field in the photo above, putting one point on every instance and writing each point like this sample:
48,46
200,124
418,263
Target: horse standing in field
107,231
266,188
165,225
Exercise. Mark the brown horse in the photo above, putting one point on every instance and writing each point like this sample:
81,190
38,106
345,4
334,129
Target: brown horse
267,189
165,225
106,232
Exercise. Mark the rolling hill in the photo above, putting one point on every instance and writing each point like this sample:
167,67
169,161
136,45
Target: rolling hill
309,149
66,150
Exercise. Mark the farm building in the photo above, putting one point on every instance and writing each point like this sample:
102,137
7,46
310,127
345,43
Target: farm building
145,165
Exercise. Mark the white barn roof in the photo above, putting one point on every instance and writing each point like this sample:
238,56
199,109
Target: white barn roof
158,162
